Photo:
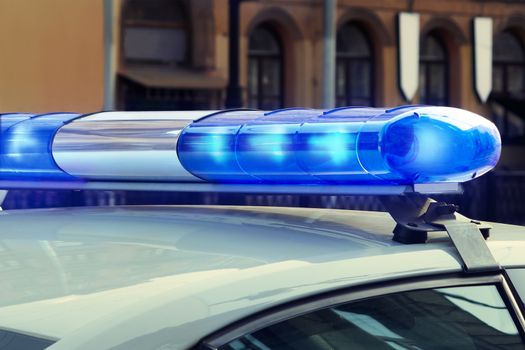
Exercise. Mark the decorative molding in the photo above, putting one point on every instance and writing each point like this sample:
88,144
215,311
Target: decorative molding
408,51
482,54
368,19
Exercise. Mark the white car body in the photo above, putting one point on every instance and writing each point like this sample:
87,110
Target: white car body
164,277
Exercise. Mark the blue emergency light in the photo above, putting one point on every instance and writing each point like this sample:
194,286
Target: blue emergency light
413,144
343,146
25,145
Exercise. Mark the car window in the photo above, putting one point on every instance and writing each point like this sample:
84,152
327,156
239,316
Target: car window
16,341
517,278
470,317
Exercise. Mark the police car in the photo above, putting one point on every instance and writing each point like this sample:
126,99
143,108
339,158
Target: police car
420,276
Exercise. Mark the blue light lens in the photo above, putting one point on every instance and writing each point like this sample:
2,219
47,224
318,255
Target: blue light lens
206,148
266,146
406,145
327,145
25,147
436,145
9,119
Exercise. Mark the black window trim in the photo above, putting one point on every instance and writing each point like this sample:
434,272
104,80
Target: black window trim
45,340
259,57
307,305
425,65
346,59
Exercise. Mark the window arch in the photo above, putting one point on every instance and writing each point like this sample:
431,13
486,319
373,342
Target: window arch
433,71
265,69
155,31
355,67
508,80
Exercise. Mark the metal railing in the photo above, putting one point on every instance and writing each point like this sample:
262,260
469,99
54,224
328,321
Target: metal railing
497,196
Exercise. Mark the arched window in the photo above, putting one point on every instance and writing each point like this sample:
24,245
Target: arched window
265,69
155,31
354,71
433,71
508,81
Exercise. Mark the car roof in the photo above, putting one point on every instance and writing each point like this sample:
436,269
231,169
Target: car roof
123,277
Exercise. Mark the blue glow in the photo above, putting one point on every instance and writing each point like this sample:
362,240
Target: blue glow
266,146
25,147
356,145
351,145
7,120
336,146
273,144
259,146
267,152
328,151
328,145
402,108
207,147
211,150
431,147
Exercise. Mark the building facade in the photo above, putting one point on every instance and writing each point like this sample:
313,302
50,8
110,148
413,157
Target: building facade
281,52
173,54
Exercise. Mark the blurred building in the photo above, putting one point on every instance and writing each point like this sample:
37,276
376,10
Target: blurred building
173,54
51,55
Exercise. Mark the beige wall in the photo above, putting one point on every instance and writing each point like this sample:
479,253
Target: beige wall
51,52
51,55
300,25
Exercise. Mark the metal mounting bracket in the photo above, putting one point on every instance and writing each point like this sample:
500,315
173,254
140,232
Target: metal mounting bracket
416,215
3,194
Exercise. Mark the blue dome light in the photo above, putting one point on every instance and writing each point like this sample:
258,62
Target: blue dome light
409,145
25,146
349,146
209,146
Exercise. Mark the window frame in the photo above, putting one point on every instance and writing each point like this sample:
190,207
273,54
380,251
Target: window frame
260,57
318,302
426,65
183,24
505,66
346,60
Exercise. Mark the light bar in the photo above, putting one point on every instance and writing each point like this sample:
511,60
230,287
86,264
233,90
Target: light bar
346,146
9,119
124,146
25,146
404,145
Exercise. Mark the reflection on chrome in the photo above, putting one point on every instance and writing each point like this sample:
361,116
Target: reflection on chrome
133,149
